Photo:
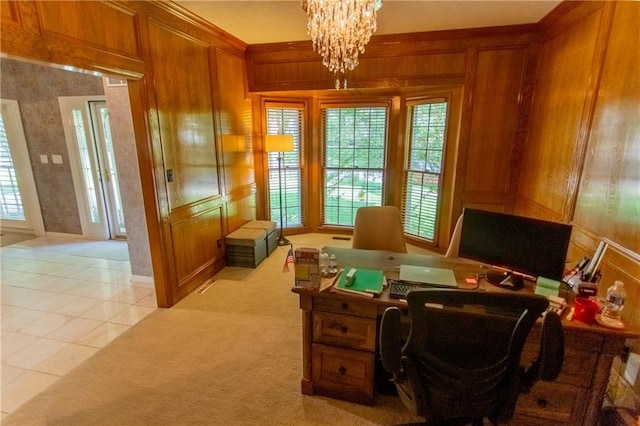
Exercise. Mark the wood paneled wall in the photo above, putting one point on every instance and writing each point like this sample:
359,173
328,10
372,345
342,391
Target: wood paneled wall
490,70
583,146
187,89
405,60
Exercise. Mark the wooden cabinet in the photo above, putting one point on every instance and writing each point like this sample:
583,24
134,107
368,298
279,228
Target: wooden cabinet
343,350
564,400
575,397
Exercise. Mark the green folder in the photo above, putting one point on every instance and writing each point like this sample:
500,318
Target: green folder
365,281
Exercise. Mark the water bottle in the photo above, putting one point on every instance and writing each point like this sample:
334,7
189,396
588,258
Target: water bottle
614,302
324,263
333,265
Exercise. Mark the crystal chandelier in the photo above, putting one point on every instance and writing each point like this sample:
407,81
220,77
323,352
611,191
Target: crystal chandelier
339,30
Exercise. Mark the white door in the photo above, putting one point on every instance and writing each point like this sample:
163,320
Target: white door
108,172
19,204
88,135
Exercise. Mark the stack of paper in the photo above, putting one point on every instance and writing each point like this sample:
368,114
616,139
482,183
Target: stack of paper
366,282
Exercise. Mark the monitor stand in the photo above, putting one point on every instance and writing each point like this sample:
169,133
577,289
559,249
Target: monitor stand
505,279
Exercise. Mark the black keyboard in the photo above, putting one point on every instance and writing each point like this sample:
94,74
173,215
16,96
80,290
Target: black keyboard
399,289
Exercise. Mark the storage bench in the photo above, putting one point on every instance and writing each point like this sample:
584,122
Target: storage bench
269,227
246,247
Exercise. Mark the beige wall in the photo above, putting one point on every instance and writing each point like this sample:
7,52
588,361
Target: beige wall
124,146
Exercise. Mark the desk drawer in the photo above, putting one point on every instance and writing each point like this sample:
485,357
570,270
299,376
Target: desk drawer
551,403
344,330
343,373
580,356
343,306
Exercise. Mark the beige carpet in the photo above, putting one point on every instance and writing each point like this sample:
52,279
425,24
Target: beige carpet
229,356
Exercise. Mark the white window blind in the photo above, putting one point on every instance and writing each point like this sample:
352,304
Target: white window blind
11,206
286,120
427,124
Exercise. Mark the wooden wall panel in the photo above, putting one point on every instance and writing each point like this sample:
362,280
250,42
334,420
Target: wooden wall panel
565,66
610,185
9,13
52,32
240,211
196,238
586,127
437,58
235,119
494,120
19,16
185,114
108,25
436,64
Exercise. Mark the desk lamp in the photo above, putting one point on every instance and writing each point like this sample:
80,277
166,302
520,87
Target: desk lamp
279,144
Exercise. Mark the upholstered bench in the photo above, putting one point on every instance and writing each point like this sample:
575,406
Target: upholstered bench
270,228
246,247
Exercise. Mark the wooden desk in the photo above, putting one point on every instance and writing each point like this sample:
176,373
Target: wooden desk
340,345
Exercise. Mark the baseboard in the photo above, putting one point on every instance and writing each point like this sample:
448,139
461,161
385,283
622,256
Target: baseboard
17,230
65,236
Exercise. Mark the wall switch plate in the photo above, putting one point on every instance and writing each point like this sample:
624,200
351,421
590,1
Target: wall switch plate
44,158
57,159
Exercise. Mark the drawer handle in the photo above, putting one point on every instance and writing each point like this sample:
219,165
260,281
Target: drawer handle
338,326
542,403
345,306
342,370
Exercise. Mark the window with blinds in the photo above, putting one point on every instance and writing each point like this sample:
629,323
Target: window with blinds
354,161
427,122
11,201
286,120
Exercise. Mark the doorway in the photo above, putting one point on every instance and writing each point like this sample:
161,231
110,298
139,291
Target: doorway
19,205
90,146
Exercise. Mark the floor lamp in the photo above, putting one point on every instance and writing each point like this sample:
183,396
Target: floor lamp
279,144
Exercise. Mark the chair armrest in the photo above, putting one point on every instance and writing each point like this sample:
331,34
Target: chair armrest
548,364
551,347
390,344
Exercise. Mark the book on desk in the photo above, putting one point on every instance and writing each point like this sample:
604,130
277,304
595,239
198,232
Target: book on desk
361,281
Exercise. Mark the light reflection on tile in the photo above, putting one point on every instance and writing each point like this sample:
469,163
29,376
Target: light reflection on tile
56,302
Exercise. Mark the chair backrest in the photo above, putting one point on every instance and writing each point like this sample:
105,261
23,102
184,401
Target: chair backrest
454,243
461,359
379,228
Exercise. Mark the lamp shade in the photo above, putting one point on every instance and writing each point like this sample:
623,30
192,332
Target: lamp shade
278,143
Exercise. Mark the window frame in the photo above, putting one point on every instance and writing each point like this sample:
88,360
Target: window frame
300,145
442,175
322,107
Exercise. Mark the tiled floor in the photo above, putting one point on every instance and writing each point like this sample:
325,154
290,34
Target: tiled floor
61,301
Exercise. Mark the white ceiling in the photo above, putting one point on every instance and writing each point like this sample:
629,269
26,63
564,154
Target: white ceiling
268,21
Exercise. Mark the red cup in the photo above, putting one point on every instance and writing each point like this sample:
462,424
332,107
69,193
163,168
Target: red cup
585,310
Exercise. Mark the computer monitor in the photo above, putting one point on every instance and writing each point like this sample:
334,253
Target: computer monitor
523,245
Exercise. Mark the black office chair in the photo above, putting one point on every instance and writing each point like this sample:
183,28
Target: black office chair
461,361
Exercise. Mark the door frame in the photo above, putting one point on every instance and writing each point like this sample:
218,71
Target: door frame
22,163
90,230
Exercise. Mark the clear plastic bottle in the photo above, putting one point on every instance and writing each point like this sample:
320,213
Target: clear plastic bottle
614,302
324,263
333,265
